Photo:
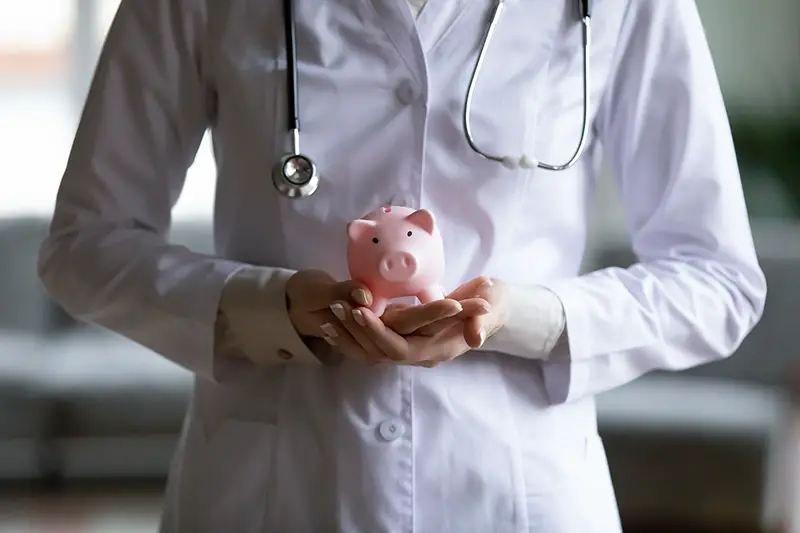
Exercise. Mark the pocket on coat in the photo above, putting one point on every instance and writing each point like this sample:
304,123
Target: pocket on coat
227,479
568,487
228,459
255,397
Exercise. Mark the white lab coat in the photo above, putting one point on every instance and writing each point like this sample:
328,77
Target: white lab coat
490,442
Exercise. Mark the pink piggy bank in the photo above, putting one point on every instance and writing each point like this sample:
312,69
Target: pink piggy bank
396,252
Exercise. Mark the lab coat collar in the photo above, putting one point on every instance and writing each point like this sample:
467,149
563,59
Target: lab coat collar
438,17
413,38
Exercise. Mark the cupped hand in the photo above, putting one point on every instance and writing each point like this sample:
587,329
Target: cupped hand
485,310
309,296
406,319
422,335
352,335
319,306
428,334
421,350
479,328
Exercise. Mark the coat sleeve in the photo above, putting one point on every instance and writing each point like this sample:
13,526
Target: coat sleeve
697,289
106,259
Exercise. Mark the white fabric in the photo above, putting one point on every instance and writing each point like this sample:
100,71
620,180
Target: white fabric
487,442
535,324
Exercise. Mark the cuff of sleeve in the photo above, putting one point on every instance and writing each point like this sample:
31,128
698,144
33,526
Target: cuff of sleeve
577,324
254,308
566,372
534,325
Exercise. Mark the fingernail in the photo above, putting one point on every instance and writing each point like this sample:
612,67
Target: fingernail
338,310
359,317
330,341
482,337
486,284
329,330
360,296
485,309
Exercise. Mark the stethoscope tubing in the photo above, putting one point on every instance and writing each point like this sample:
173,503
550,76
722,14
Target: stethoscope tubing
525,162
293,190
292,85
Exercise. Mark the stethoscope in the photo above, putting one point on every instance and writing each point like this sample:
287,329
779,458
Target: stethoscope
295,175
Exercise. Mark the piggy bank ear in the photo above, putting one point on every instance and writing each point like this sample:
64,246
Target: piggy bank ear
423,219
357,228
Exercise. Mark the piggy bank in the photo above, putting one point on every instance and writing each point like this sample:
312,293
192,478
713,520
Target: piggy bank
396,252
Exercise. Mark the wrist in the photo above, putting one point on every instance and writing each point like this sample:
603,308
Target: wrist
252,319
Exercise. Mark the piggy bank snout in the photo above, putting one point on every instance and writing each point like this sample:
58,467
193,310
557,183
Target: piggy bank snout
398,266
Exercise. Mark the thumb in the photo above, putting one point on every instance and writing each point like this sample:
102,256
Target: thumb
315,290
469,289
475,332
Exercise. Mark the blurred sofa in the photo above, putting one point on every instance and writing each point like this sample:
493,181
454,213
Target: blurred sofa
77,402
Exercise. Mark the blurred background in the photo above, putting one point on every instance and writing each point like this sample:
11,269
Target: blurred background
88,420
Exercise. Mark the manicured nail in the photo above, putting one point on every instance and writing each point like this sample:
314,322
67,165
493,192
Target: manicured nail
338,310
360,296
330,341
359,317
329,330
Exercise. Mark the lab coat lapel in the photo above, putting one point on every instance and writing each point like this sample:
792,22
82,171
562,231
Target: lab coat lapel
438,17
410,37
399,25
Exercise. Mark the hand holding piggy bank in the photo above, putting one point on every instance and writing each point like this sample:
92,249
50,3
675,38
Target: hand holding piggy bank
396,252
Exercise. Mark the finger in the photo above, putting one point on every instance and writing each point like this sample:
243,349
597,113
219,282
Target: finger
426,364
393,307
474,307
345,317
431,351
469,289
444,346
387,340
474,332
470,308
352,291
338,337
408,320
348,291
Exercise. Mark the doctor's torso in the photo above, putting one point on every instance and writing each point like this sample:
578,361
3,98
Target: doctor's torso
381,100
473,445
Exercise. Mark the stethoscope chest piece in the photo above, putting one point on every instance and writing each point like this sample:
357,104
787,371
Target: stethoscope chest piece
295,176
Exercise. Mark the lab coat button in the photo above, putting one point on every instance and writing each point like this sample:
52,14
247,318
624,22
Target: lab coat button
391,430
406,92
283,354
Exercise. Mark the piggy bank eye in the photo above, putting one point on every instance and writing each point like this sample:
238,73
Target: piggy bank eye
409,234
375,240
